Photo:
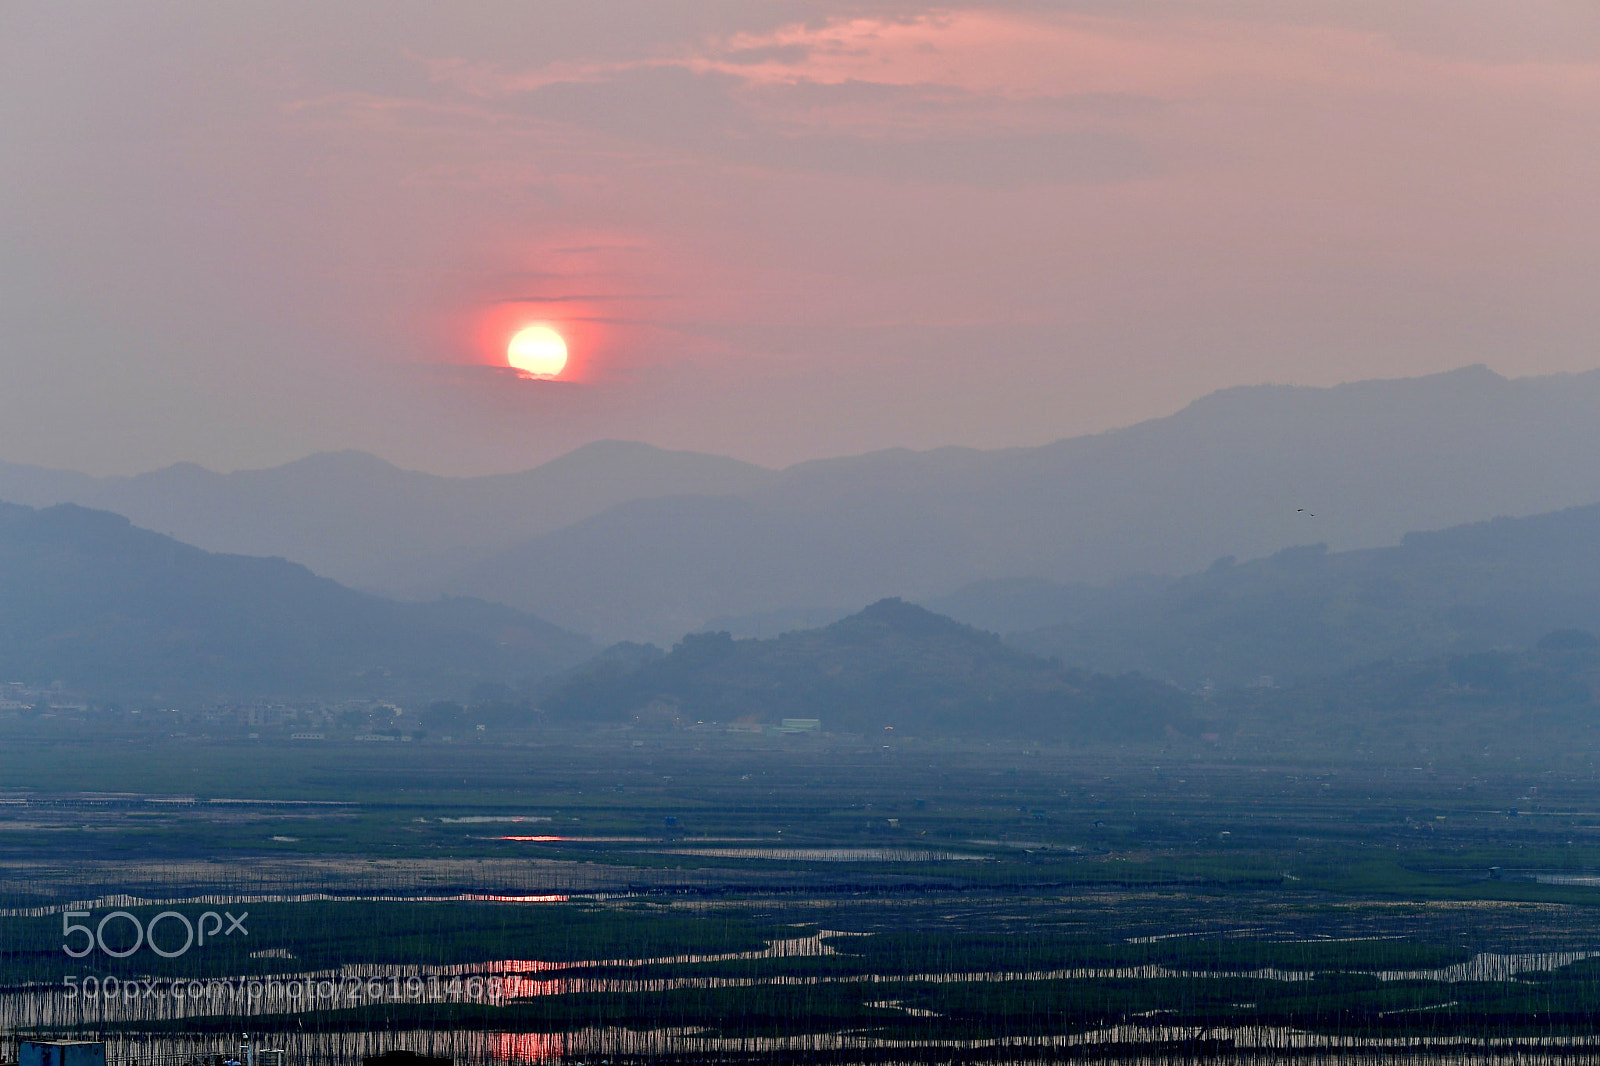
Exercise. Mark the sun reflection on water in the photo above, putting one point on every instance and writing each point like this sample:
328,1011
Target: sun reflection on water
528,1047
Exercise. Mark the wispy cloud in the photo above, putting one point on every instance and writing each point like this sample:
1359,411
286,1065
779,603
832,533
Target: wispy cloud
585,298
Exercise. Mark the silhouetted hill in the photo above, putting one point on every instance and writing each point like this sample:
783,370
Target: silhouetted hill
1542,703
893,665
1228,475
88,599
1305,611
355,518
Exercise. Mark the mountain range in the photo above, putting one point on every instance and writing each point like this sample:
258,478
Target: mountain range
88,599
117,612
366,523
1539,703
1246,472
1306,612
628,541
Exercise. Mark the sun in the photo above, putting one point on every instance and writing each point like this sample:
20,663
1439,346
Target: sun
538,350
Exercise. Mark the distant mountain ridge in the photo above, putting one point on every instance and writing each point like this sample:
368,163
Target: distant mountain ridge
1245,472
362,521
1306,612
91,601
1540,703
628,541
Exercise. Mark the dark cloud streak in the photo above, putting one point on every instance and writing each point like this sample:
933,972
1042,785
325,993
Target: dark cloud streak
583,298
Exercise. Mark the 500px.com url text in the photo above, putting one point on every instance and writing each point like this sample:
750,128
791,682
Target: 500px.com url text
291,990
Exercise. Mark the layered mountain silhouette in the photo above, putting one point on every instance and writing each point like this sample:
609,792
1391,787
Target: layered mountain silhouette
627,541
366,523
1538,703
892,668
1245,472
1306,612
91,601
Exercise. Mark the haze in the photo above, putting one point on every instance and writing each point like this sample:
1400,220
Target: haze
1016,532
237,235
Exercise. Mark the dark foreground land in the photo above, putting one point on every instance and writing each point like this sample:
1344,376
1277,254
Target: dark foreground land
683,897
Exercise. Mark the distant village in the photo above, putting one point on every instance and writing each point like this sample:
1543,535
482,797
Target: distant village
33,710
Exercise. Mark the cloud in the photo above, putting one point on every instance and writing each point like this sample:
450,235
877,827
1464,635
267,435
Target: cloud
486,373
772,53
582,298
677,110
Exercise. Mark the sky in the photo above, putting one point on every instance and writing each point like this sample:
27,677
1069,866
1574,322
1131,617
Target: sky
237,234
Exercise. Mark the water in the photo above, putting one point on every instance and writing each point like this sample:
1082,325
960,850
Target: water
1121,1044
274,1003
828,854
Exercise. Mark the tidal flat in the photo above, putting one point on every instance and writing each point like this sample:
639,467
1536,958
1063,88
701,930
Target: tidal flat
680,897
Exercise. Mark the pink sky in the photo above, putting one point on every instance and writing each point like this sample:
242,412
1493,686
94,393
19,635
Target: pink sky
237,234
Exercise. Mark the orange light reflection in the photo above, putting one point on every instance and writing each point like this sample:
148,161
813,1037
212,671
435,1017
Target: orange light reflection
523,988
528,1047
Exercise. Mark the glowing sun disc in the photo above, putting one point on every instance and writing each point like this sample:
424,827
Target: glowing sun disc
538,350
